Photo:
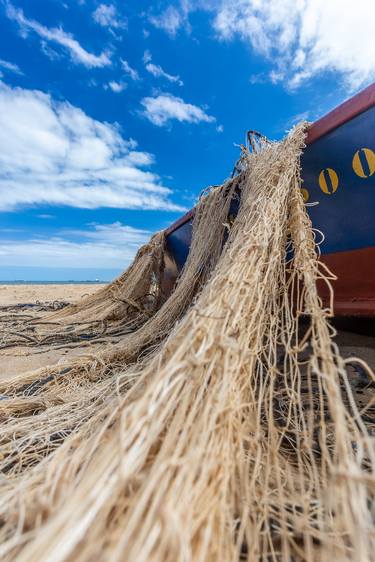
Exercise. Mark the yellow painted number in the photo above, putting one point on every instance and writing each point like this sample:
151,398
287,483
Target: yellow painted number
328,181
364,162
305,194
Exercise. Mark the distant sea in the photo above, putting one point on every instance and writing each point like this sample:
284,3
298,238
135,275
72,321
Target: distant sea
28,275
68,282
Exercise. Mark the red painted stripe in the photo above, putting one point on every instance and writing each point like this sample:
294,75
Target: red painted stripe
179,222
354,287
342,113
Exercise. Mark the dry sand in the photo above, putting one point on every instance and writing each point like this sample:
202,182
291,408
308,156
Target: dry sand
15,294
20,359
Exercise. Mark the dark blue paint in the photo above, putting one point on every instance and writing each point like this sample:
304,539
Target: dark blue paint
346,217
178,243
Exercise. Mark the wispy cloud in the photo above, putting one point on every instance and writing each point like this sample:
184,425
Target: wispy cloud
157,71
129,70
52,153
304,38
11,67
162,109
300,39
147,57
116,87
103,245
57,35
106,15
172,19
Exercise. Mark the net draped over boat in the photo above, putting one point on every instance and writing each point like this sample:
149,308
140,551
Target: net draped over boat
221,426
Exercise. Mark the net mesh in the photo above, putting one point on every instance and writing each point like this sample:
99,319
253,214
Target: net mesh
222,426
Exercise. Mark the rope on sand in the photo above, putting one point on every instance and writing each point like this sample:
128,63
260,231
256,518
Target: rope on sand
222,427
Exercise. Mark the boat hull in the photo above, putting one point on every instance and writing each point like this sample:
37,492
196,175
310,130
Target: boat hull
338,172
354,287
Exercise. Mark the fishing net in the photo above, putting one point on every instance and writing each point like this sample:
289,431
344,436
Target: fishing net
221,426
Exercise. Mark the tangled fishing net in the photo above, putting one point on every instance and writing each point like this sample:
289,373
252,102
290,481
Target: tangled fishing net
220,426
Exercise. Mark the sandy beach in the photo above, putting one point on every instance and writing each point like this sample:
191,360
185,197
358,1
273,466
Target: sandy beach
16,360
16,294
20,359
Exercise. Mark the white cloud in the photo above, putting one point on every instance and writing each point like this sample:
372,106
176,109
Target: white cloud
129,70
11,67
158,72
300,38
147,57
164,108
298,117
171,20
52,153
220,128
106,15
305,37
58,35
100,246
116,87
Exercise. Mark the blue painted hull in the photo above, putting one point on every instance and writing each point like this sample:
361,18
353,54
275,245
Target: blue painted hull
338,171
345,213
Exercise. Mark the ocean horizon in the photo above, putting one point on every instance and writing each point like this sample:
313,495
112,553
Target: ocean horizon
27,275
55,282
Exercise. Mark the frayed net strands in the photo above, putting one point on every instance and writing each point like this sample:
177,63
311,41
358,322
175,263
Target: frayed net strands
235,436
130,308
117,309
139,330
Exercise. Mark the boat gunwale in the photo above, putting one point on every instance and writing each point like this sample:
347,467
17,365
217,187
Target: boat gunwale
343,113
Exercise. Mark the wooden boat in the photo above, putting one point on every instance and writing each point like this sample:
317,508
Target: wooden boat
338,171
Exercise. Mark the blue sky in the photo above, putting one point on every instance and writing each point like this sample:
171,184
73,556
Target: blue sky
115,115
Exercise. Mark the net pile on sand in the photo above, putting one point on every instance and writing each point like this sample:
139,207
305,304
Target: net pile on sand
221,427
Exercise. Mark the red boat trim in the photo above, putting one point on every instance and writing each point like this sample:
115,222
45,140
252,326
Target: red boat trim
182,220
354,269
341,114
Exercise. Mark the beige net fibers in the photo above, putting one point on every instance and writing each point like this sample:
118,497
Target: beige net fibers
237,438
132,315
